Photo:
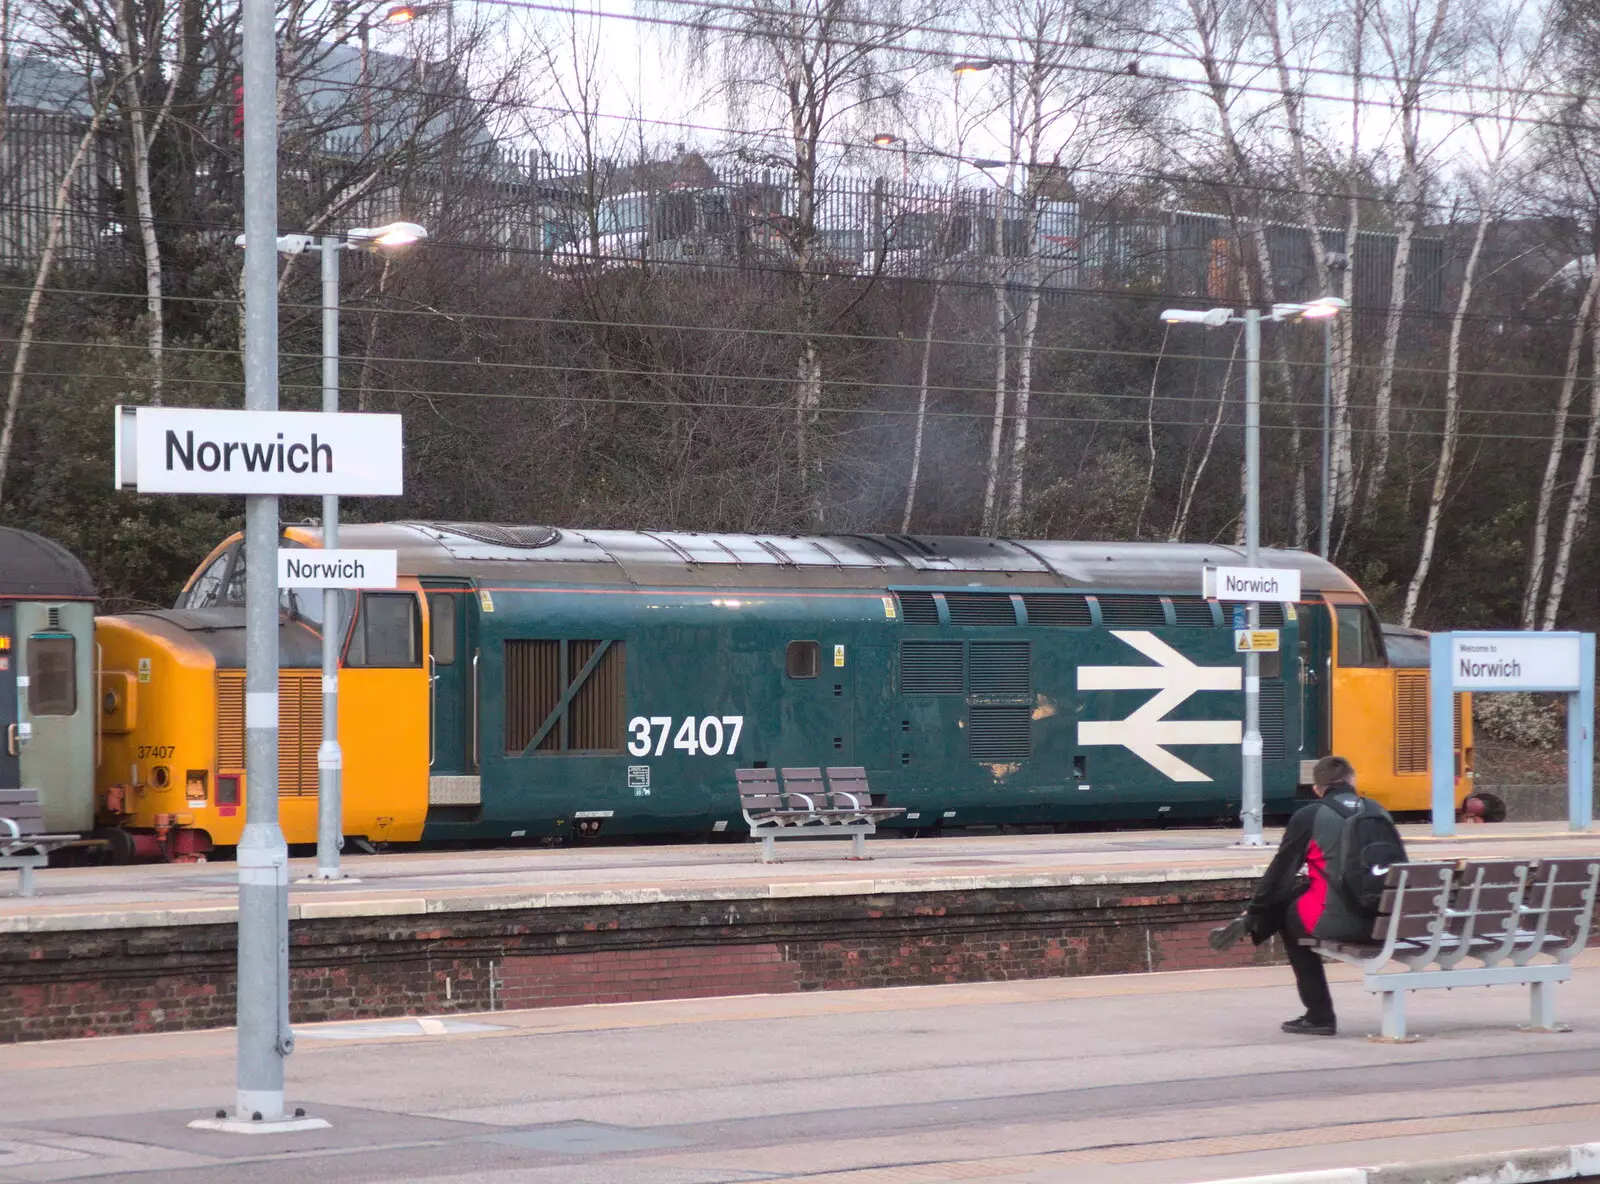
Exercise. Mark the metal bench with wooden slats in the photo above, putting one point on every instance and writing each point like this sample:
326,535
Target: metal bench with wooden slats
1498,914
806,805
24,845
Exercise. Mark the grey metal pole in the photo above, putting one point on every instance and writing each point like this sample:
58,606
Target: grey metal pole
1327,404
264,1039
330,772
1251,805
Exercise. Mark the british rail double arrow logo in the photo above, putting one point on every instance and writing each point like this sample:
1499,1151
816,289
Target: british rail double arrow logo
1147,732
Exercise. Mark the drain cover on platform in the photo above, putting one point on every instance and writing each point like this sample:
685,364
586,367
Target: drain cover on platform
585,1138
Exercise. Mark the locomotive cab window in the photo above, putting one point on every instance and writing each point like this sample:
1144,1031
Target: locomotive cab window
442,628
52,675
206,590
803,659
388,631
1360,641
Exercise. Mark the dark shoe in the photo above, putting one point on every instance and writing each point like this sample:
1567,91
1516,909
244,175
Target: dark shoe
1305,1026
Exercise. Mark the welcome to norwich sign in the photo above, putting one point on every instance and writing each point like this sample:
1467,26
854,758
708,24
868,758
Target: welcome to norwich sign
272,453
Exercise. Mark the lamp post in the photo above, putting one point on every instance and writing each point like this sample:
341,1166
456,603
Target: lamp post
330,759
1251,798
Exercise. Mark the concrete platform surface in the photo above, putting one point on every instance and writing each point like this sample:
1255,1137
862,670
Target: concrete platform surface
520,878
1135,1079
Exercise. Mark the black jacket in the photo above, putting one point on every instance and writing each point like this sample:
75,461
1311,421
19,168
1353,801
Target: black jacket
1309,843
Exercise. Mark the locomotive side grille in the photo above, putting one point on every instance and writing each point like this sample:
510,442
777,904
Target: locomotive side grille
999,668
1460,699
299,727
1411,721
918,608
230,719
1069,609
1271,615
997,733
533,688
597,709
931,668
539,673
980,608
1272,722
299,732
1121,612
1192,612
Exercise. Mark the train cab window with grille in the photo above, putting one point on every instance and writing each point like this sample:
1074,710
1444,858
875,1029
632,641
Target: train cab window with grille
233,589
442,628
388,631
803,659
1360,642
206,590
52,675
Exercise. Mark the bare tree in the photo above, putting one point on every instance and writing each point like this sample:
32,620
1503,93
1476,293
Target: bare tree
816,67
1498,134
1421,42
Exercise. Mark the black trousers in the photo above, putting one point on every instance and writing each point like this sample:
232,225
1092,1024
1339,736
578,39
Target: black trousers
1310,978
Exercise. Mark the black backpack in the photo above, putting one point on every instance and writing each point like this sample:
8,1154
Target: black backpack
1369,845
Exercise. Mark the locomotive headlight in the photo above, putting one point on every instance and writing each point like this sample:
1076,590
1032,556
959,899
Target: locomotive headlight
160,776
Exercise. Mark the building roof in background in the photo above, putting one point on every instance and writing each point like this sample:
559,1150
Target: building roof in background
36,83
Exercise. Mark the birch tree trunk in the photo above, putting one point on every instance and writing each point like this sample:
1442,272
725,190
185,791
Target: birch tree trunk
1452,415
1552,465
991,481
1399,277
1019,431
155,317
922,404
1180,524
1578,508
41,281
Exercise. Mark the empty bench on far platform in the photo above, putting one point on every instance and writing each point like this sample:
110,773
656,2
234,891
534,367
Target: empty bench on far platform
805,806
1500,914
24,845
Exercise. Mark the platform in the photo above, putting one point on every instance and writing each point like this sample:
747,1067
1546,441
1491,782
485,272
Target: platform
456,881
116,951
1136,1079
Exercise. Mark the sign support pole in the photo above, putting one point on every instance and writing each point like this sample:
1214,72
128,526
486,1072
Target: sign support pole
330,761
264,1038
1580,740
1442,733
1251,804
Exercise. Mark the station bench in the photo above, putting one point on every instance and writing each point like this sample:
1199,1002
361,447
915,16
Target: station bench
24,845
1500,914
805,806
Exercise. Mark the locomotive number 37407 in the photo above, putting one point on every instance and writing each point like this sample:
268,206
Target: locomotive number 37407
708,735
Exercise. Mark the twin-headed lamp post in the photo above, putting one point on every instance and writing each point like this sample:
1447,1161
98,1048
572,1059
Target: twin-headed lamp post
1251,805
330,760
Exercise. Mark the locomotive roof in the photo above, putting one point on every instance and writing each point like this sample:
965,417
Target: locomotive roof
34,568
484,551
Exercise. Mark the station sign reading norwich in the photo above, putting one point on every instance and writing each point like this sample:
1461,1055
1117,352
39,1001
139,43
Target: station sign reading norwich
273,453
1517,662
301,567
1252,584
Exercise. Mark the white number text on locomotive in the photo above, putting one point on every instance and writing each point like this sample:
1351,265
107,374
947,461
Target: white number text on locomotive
706,735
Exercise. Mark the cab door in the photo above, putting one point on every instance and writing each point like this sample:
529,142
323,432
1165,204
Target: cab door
10,767
452,754
1363,697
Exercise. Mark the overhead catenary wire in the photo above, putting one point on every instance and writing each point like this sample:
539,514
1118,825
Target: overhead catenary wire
786,408
352,307
1575,417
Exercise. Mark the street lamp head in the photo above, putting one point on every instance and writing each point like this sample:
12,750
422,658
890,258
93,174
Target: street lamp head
885,140
401,14
395,234
1212,318
288,244
980,163
1325,306
972,66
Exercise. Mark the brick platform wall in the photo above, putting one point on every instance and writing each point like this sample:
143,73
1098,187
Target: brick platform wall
147,980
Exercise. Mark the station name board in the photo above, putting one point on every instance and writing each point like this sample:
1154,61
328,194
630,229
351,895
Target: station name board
280,453
1253,584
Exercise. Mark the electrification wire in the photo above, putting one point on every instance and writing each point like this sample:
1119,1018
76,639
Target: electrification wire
769,331
774,379
787,408
1073,67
